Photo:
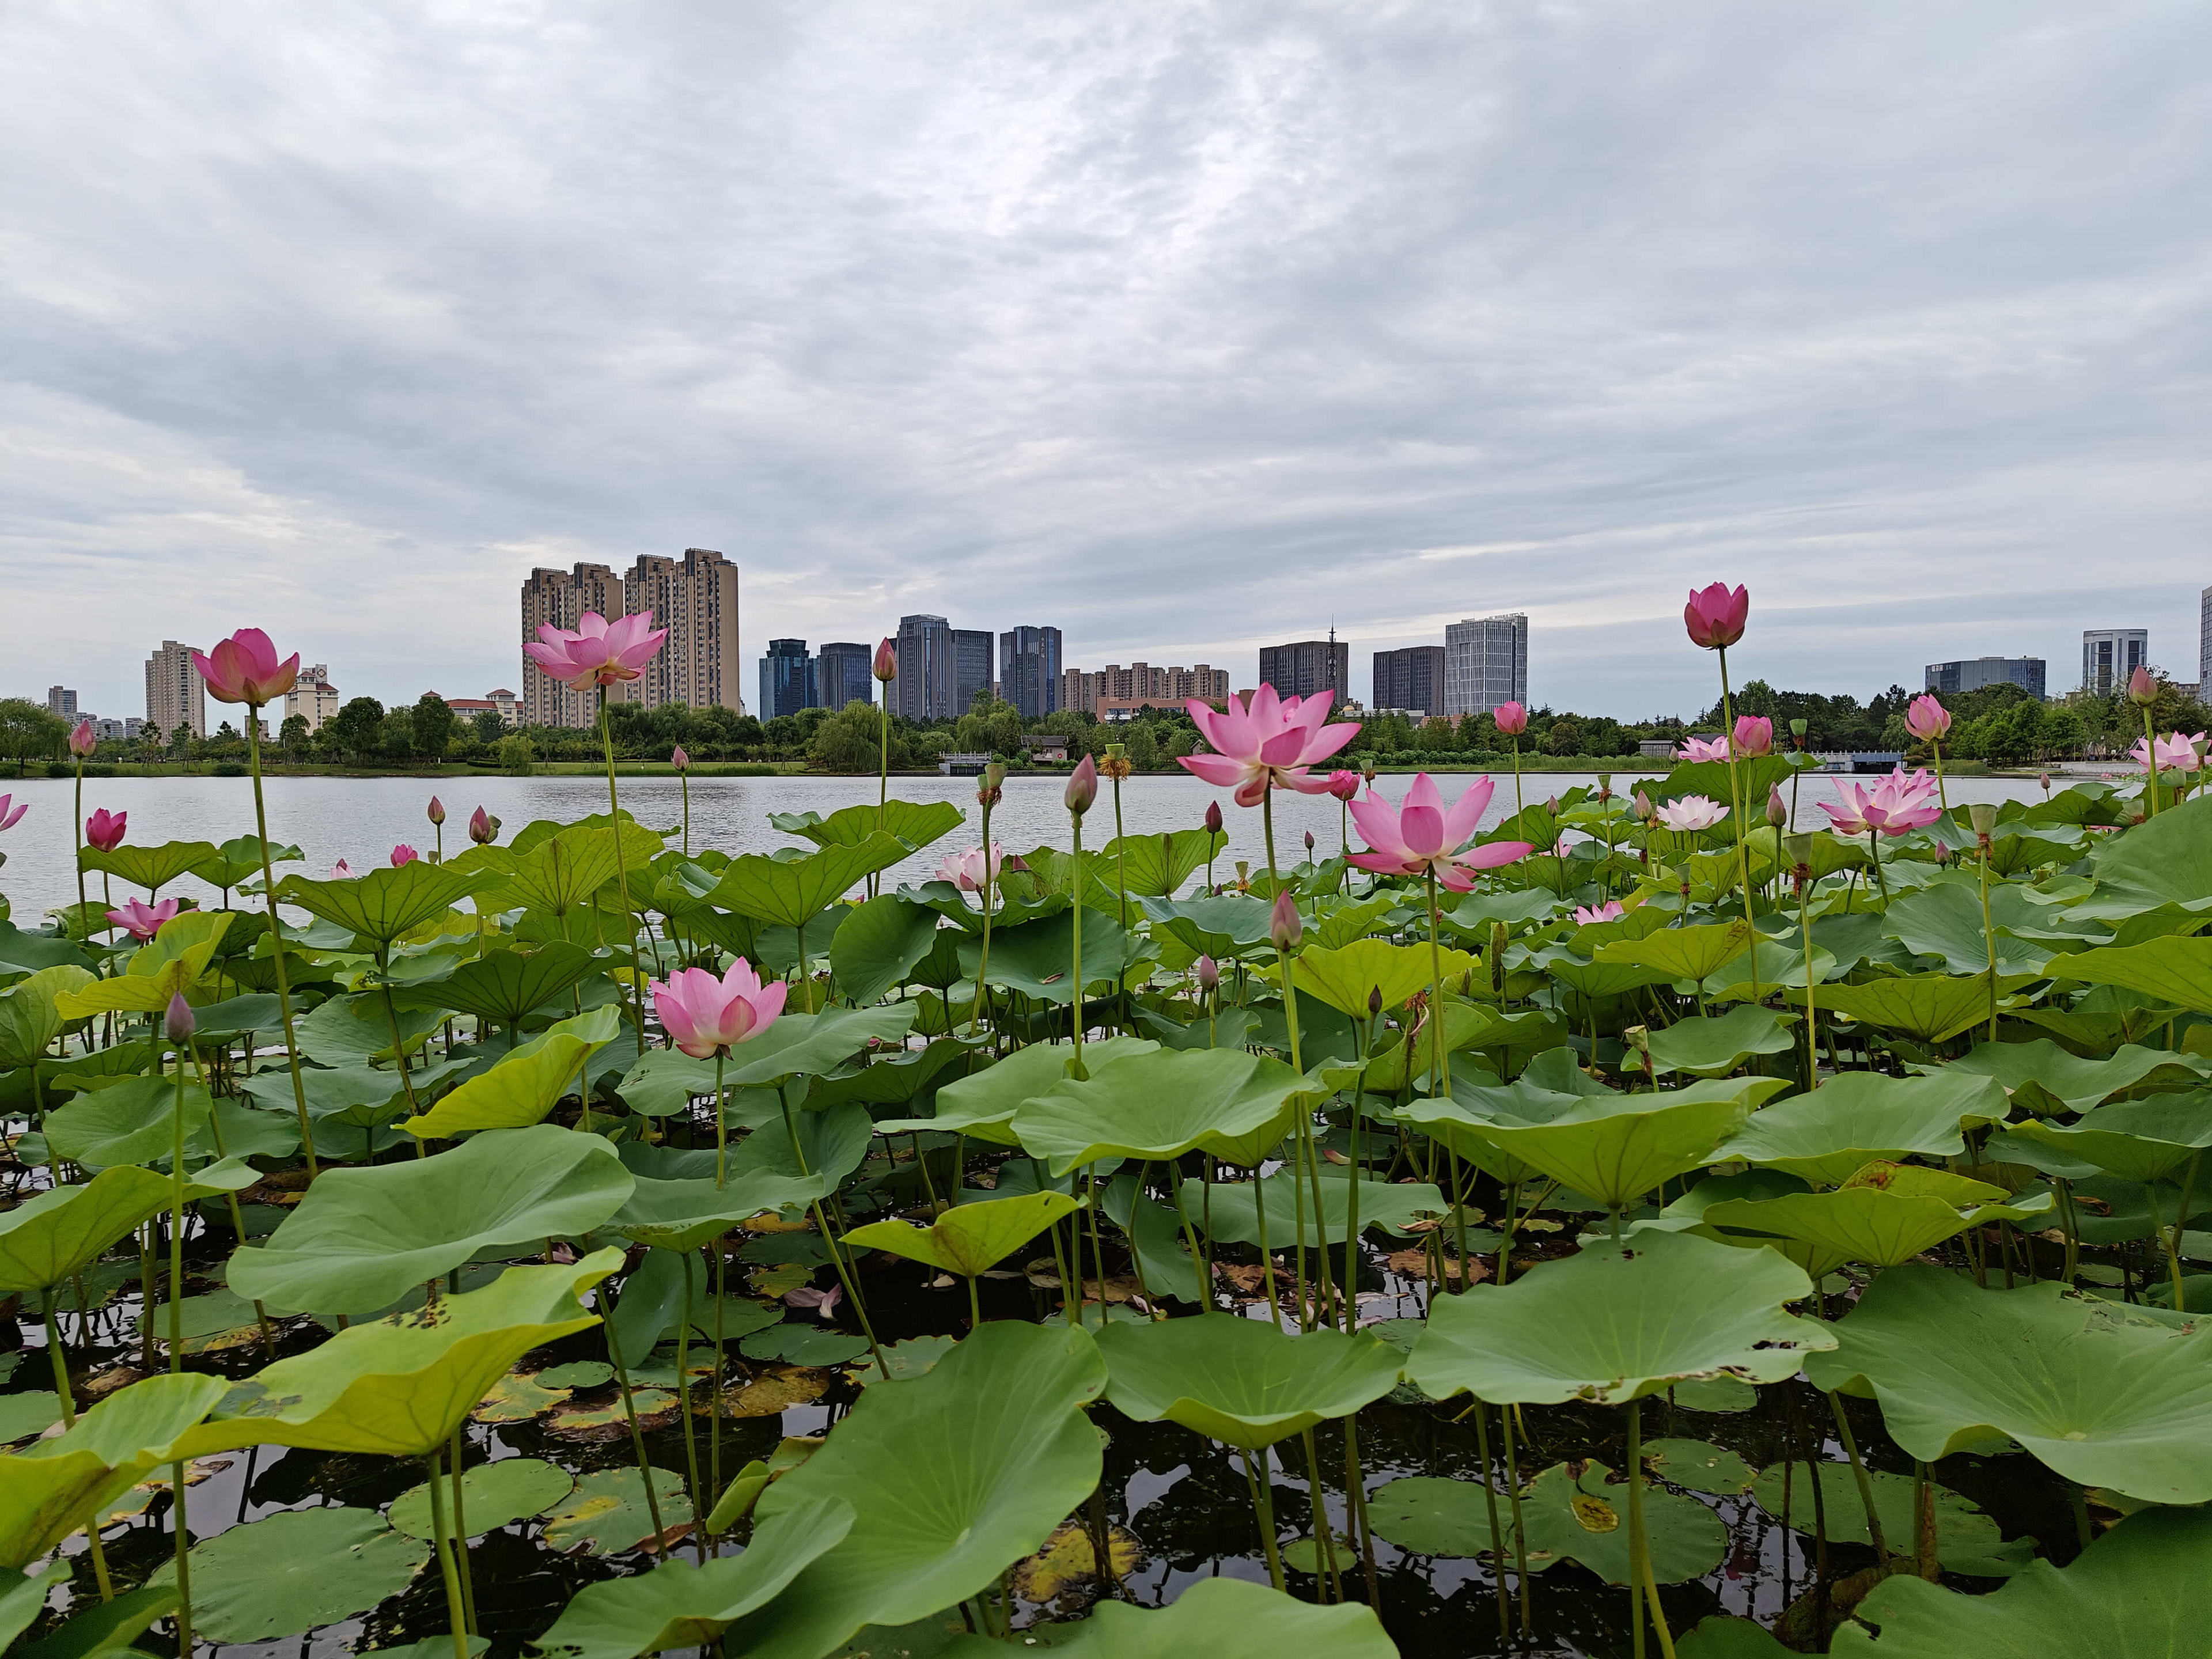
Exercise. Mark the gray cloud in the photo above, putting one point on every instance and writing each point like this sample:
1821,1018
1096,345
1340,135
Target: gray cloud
1185,328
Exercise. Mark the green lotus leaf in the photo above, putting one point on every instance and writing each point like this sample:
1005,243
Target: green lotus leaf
1966,1539
1885,1214
2132,1594
22,1415
1617,1147
1224,928
56,1233
1432,1516
677,1605
1347,978
151,867
802,1345
173,963
502,986
1682,952
2138,1141
353,1030
1226,1619
1586,1519
238,860
288,1573
791,892
385,903
1699,1466
1856,1117
1155,1233
1598,981
1612,1325
1929,1006
879,943
651,1304
27,953
1392,1205
952,1477
29,1020
103,1628
1945,920
2054,1080
2105,1394
1716,1635
2163,861
400,1386
896,1077
358,1095
683,1215
1228,1101
1714,1045
607,1513
1037,958
970,1237
362,1237
982,1105
2172,970
834,1141
523,1085
1241,1381
493,1495
809,1045
566,870
54,1486
916,822
133,1122
233,1016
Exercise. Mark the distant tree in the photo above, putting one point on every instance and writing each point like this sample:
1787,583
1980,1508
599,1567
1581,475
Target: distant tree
292,737
846,740
1144,749
2064,733
357,729
488,727
396,736
29,733
433,726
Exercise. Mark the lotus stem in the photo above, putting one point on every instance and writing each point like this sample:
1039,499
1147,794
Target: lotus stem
1521,1581
684,778
983,961
1075,895
456,1610
845,1275
2086,1534
636,1435
276,939
1490,1502
2150,765
1324,1528
1259,1472
683,1405
1355,1492
622,881
1859,1474
1736,803
1267,1257
461,1534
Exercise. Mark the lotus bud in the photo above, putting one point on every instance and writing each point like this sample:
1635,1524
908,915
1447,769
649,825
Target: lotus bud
1082,786
886,665
1983,815
678,760
1375,1002
1645,812
483,829
81,742
1343,785
1714,616
1753,735
2043,778
1209,975
1777,810
177,1024
1510,718
403,854
988,792
1310,843
1284,925
2143,690
1213,817
437,810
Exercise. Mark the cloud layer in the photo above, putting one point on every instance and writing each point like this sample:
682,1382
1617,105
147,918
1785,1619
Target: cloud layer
1185,328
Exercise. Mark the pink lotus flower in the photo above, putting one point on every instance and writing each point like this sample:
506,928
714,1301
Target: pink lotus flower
1609,911
1754,735
1704,749
884,665
1714,616
1342,785
342,871
436,810
244,668
10,819
1928,720
824,1304
142,921
105,829
1269,744
704,1015
82,741
403,854
1689,813
2175,752
598,652
680,761
483,829
1898,804
970,871
1511,718
1423,836
2143,690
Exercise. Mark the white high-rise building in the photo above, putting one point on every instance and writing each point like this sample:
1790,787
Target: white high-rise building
1485,663
2205,647
2109,655
175,695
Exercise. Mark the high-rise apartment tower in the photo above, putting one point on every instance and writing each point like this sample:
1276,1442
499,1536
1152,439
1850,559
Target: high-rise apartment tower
695,597
924,688
1411,679
1485,663
841,674
2109,655
1308,667
1029,670
175,695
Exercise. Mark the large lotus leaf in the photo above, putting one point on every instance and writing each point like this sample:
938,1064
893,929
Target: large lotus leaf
170,965
103,1628
1929,1006
970,1237
1945,920
1617,1147
1586,1519
359,1095
1457,1126
2101,1393
1037,958
982,1105
953,1476
1160,1105
1156,866
1598,981
683,1215
26,953
895,1078
2172,970
352,1031
133,1122
916,822
361,1239
1223,1618
2132,1594
1713,1045
29,1021
1966,1539
834,1142
677,1605
47,1237
1393,1205
151,867
525,1084
502,986
1611,1325
1241,1382
2166,860
1856,1117
1682,952
2048,1077
810,1044
496,1495
1885,1214
285,1574
24,1598
400,1386
385,903
53,1486
566,870
791,892
1224,928
1348,978
879,943
2136,1139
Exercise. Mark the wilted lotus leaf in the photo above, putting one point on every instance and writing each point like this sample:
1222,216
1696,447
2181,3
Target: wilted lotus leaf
288,1573
1585,1519
1241,1381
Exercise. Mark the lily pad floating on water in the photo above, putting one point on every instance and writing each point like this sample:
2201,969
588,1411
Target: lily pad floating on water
1223,1618
518,1397
1966,1541
1068,1558
802,1345
607,1515
493,1495
1584,1518
286,1574
1241,1382
1715,1394
1699,1466
913,1357
1430,1515
577,1374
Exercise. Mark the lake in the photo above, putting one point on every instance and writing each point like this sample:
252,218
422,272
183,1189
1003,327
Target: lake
360,819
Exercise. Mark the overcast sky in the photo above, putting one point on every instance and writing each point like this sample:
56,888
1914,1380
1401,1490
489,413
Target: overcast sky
1185,328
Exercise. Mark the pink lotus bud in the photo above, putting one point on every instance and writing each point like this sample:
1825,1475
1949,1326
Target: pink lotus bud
1343,785
437,810
1641,806
105,829
244,668
483,829
2143,690
1927,718
1082,786
403,854
1284,925
1552,806
2043,778
1778,811
178,1025
1310,843
81,742
1512,719
679,760
886,665
1754,735
1213,817
1715,615
1209,975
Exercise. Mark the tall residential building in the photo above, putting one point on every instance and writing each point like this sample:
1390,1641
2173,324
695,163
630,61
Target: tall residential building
1972,673
1308,667
1485,663
2109,655
695,600
61,701
1141,685
786,679
841,674
1029,670
923,689
175,695
971,666
556,599
2204,648
1411,679
313,697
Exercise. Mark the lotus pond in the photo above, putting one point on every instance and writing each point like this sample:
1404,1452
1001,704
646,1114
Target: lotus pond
1704,1241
